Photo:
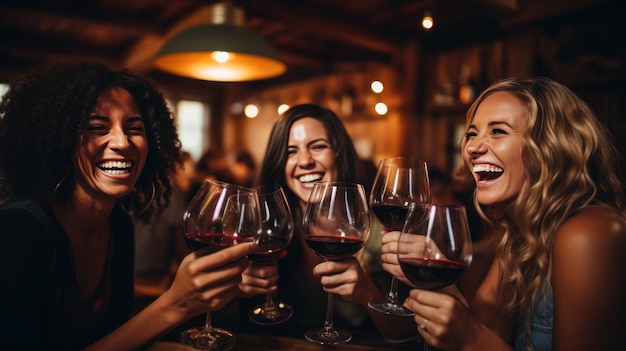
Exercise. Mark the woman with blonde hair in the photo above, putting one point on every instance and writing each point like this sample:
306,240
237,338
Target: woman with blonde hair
547,183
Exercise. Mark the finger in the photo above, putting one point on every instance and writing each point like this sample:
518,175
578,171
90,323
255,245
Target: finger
426,304
221,257
219,295
249,291
205,279
336,267
427,297
236,251
391,236
262,272
391,258
264,283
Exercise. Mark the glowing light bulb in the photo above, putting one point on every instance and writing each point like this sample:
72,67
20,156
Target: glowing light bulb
251,111
282,108
427,21
220,56
377,86
381,108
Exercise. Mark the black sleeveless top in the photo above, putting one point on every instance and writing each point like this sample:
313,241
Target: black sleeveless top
40,306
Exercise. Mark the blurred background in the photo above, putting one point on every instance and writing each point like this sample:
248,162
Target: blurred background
400,86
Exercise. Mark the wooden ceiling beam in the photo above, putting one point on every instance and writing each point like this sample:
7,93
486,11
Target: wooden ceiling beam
318,23
34,46
534,10
85,18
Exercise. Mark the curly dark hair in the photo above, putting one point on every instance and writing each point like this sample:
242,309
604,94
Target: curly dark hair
41,120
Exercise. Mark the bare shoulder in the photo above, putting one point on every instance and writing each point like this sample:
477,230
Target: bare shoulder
592,228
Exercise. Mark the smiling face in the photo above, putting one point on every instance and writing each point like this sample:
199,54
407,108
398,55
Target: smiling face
310,157
493,150
113,146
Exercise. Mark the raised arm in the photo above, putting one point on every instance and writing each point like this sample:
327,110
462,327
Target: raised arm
201,284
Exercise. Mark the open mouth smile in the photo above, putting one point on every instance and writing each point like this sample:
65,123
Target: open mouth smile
487,172
116,167
308,178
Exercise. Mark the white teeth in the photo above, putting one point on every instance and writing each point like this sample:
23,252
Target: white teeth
116,167
117,171
486,168
309,178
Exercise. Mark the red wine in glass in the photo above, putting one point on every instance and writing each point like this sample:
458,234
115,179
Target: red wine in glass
273,246
334,247
391,216
399,182
427,273
435,247
220,215
335,225
207,243
277,223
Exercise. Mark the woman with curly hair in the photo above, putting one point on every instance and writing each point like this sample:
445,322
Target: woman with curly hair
84,147
547,183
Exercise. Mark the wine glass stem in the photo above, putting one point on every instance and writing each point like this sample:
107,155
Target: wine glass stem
269,301
392,297
328,322
207,321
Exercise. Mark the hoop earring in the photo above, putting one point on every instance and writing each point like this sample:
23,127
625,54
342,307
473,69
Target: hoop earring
144,208
59,185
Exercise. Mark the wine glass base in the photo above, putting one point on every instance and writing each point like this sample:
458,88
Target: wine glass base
214,339
325,336
391,308
276,314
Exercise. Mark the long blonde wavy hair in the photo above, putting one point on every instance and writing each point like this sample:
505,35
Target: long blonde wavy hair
570,162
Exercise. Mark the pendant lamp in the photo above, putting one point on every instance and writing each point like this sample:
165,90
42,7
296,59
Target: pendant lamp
223,50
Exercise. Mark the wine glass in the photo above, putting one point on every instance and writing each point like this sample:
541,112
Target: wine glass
277,225
219,215
435,247
399,182
335,226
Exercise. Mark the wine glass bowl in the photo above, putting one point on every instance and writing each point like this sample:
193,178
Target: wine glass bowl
399,182
435,246
335,226
277,232
219,215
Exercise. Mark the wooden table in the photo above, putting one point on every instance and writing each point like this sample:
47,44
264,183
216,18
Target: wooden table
248,342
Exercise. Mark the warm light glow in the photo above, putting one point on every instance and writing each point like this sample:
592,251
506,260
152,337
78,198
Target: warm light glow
282,108
220,56
201,65
427,21
251,111
236,108
381,108
377,87
220,51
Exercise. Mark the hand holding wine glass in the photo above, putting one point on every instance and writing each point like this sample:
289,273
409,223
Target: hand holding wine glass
278,229
335,226
219,215
399,182
435,247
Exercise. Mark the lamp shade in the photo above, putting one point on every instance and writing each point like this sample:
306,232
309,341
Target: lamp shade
220,52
